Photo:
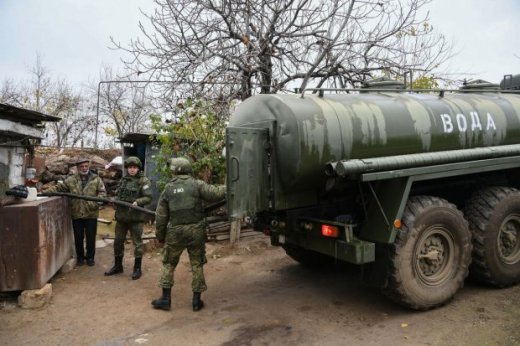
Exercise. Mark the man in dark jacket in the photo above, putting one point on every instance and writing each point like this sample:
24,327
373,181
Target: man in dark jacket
180,224
84,213
133,188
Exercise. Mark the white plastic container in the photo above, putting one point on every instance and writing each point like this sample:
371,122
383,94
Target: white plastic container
31,196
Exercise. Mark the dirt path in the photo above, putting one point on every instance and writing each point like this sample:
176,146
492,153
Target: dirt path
257,296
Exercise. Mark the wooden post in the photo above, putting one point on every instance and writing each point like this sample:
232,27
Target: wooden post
234,232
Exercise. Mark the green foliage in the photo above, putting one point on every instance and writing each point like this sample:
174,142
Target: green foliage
425,82
196,132
422,82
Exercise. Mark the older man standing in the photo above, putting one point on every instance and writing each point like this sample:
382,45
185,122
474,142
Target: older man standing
84,213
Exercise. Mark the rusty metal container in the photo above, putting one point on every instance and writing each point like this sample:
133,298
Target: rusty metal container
36,239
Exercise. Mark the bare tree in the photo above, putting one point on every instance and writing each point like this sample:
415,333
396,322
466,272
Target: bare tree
236,48
58,98
124,106
75,127
10,93
54,97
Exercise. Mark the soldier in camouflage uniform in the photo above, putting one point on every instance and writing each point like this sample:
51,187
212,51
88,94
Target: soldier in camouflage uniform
84,213
180,223
133,188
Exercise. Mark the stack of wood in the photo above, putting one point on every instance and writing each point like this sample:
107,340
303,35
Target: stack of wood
219,229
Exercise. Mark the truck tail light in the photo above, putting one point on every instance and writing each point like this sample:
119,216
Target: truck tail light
329,231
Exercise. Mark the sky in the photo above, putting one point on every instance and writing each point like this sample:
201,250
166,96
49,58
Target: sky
72,36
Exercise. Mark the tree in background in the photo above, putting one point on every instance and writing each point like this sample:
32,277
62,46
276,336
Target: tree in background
10,93
54,97
124,106
197,132
228,49
425,82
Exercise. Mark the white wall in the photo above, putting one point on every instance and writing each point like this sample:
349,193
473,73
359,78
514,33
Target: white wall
13,157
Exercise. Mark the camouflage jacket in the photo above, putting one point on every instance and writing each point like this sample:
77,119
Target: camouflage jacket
181,203
80,208
133,189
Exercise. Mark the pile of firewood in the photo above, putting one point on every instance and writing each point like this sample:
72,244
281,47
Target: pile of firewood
218,229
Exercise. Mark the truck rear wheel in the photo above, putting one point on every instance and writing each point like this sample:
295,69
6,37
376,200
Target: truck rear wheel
430,257
494,219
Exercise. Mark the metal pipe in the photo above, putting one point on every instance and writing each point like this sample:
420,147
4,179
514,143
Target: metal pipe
209,208
99,199
391,90
345,168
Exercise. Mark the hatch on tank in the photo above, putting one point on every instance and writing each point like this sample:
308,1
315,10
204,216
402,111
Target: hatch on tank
247,171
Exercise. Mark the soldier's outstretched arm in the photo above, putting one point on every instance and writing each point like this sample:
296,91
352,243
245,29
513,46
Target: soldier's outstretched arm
211,193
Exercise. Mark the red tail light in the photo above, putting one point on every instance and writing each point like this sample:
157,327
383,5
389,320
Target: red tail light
329,231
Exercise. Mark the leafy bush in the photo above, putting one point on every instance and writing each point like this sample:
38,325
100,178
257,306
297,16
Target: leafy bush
196,131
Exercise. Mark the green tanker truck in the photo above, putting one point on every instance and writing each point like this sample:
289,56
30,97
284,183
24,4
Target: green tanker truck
419,188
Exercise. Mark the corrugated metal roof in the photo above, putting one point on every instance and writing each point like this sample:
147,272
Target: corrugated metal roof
24,116
136,137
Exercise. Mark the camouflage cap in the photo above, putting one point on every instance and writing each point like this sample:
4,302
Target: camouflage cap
180,165
133,161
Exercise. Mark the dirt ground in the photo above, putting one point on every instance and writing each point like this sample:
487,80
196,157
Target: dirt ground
257,296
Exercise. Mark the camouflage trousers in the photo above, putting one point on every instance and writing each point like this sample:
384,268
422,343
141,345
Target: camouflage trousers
178,238
136,230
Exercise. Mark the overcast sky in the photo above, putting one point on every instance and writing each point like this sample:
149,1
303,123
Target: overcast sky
72,36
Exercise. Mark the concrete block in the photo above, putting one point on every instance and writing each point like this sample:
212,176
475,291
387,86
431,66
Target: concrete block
33,299
68,266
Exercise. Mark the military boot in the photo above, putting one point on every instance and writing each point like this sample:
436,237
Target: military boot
163,303
137,268
117,268
197,302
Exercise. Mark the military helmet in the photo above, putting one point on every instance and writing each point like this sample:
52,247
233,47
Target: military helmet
133,161
180,165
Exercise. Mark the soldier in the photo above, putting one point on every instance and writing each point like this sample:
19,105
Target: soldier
84,213
180,223
133,188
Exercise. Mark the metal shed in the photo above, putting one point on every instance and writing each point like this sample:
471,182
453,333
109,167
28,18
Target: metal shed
20,131
35,237
145,147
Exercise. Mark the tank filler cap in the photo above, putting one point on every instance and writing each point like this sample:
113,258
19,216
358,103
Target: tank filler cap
479,84
383,83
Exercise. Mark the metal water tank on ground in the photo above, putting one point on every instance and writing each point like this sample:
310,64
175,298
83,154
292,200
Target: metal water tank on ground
36,240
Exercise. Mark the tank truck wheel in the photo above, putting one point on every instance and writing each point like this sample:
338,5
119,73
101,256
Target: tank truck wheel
494,219
306,258
430,257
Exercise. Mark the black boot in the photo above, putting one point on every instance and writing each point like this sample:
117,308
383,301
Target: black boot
197,302
163,303
117,268
137,268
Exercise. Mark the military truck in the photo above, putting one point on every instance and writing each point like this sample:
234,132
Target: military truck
419,187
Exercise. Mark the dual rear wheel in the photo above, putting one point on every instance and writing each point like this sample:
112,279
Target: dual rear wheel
431,256
494,218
